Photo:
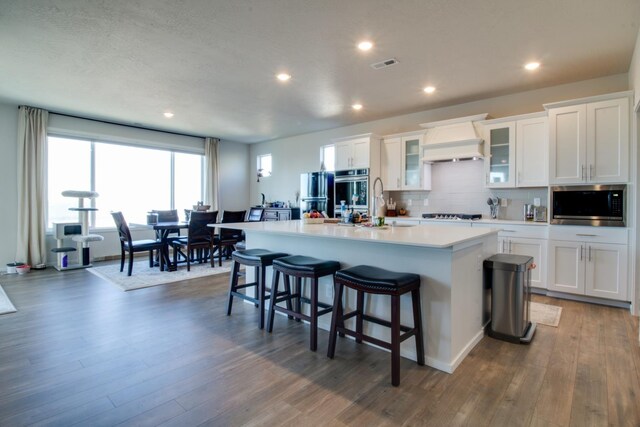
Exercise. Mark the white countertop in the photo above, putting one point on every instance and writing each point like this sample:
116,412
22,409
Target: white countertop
433,236
489,221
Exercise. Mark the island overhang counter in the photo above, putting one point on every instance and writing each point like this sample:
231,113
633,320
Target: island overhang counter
448,260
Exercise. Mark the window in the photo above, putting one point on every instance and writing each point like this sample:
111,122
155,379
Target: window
132,179
328,157
264,165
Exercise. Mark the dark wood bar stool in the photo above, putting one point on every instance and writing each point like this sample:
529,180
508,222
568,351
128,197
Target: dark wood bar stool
260,259
374,280
300,267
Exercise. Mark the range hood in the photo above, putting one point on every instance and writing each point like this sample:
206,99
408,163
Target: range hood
454,139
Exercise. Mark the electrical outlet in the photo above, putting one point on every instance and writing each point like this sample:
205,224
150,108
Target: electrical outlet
426,202
536,201
504,202
409,202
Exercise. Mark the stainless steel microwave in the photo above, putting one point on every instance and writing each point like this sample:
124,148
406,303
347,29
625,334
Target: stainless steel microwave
598,205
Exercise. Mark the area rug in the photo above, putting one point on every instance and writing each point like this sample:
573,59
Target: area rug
5,303
545,314
144,277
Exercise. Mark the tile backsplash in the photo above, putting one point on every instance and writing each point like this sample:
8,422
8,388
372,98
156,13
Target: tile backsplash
459,188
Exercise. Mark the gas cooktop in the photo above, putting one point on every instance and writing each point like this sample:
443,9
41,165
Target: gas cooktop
451,216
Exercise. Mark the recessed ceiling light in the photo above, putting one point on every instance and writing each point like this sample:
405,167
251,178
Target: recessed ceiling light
429,89
283,77
532,66
357,106
168,114
365,45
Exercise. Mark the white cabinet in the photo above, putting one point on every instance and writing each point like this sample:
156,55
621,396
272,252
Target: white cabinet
528,240
500,154
588,262
402,168
516,151
589,142
532,136
391,163
355,152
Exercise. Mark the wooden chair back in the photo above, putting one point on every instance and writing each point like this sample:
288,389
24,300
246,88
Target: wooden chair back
123,229
228,217
198,226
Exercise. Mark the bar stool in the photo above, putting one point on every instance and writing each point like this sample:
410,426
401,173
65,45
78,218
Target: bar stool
300,267
374,280
260,259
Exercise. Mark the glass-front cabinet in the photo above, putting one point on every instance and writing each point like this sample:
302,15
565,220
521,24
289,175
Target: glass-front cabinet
411,163
500,155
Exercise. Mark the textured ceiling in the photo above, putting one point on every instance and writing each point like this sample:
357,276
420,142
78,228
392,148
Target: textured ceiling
213,63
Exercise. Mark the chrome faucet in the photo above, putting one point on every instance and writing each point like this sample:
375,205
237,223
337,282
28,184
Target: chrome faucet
375,197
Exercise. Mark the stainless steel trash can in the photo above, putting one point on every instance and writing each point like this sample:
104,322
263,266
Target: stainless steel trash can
509,278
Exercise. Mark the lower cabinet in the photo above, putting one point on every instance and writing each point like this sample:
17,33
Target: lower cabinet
276,214
584,268
536,248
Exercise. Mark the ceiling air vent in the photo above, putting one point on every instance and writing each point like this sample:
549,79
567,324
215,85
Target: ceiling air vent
384,64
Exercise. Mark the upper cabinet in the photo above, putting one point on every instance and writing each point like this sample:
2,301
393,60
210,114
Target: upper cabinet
589,141
357,152
402,168
516,151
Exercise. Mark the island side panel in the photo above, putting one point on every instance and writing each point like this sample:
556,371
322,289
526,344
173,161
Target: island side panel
433,265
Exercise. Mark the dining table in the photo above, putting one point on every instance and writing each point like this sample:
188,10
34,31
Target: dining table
162,230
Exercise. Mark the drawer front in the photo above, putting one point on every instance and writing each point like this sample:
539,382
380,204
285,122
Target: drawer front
270,215
589,234
531,232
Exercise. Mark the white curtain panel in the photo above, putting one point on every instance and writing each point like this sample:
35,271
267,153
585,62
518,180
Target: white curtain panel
32,171
211,172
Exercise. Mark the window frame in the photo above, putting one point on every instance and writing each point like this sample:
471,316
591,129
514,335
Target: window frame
323,150
259,164
92,202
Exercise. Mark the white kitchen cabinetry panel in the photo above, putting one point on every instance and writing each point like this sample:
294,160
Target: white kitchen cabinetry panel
500,154
593,269
391,163
566,267
402,168
532,149
536,248
606,271
589,142
608,141
358,152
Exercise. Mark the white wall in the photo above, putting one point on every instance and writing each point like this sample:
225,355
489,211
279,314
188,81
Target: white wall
634,83
234,183
634,72
298,154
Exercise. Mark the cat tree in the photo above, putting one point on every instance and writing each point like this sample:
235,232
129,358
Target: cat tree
82,239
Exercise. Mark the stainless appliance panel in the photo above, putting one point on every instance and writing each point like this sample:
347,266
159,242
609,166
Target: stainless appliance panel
316,192
594,205
349,184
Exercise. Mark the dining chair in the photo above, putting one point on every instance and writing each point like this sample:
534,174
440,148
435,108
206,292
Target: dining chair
127,244
254,215
168,216
227,238
200,238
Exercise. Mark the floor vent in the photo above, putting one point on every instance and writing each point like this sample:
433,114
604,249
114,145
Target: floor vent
384,64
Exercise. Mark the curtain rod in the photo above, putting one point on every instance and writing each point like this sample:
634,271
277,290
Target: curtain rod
121,124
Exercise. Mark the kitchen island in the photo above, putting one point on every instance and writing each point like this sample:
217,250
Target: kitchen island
448,259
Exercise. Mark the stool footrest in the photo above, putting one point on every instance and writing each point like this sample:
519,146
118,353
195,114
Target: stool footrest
247,285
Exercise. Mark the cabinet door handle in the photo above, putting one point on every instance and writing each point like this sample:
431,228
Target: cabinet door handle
589,253
519,178
582,172
510,246
586,235
508,231
581,252
591,172
503,246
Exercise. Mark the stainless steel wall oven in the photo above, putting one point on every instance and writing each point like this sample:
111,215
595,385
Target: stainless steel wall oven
598,205
352,186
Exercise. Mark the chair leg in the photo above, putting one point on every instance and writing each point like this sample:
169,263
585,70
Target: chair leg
360,309
298,291
151,260
220,256
189,250
287,289
130,263
256,270
395,340
121,260
212,258
336,318
313,344
417,322
233,282
272,300
261,293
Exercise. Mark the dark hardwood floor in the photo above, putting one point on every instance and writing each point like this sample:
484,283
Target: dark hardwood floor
79,351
